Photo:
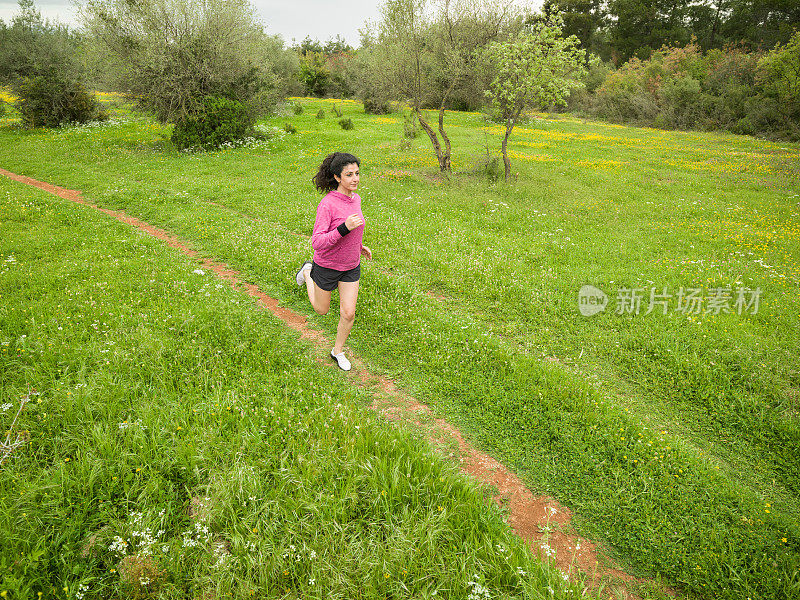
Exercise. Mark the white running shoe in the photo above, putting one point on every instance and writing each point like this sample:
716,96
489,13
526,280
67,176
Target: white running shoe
301,277
341,360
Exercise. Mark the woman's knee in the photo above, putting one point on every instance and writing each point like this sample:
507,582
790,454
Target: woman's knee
348,313
322,310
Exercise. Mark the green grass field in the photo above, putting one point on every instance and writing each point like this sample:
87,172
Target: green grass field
674,437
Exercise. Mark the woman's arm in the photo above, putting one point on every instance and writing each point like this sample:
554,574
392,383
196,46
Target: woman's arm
323,236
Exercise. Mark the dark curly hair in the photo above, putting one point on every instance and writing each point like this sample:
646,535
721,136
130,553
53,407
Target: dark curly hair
332,166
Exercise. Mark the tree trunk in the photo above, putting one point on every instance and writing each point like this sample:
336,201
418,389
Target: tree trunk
720,4
442,155
506,160
437,147
444,163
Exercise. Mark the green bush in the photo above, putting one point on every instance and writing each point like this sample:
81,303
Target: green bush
346,124
289,128
627,94
681,102
297,108
50,100
376,106
218,121
410,128
321,114
753,93
490,167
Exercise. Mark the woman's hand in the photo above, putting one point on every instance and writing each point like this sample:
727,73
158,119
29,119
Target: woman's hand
353,221
366,252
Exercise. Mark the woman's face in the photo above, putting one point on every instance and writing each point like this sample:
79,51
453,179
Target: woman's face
348,180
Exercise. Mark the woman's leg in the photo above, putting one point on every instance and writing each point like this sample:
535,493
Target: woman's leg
320,299
348,294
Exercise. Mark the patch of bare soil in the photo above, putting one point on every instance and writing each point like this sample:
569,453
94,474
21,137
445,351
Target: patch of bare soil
541,521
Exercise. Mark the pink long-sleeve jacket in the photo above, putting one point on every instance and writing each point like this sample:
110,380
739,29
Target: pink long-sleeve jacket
332,249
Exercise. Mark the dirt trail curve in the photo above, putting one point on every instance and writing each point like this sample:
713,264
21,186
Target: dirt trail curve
539,520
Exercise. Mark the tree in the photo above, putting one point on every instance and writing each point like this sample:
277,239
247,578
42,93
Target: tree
640,26
307,45
171,54
324,69
537,68
314,74
425,49
368,73
31,46
585,19
337,45
761,23
37,59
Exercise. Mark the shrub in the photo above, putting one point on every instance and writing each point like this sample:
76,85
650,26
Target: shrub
681,100
779,80
346,124
336,111
627,105
731,81
627,95
289,128
321,114
50,100
297,108
410,128
376,106
489,166
219,120
753,93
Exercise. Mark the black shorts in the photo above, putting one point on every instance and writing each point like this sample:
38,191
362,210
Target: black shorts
328,279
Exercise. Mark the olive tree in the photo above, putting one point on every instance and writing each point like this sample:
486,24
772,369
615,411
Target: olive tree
171,54
537,68
38,61
424,49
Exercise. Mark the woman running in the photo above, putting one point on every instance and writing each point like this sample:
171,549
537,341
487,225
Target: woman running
338,246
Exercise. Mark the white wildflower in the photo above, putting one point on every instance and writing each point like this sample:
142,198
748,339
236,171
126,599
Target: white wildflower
118,545
548,551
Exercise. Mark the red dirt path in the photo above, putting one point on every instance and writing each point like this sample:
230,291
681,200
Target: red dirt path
539,520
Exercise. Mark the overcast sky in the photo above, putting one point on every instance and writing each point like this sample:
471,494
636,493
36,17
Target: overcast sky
320,19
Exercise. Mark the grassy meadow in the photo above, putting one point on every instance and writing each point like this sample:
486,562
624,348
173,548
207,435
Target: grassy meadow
182,443
673,435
